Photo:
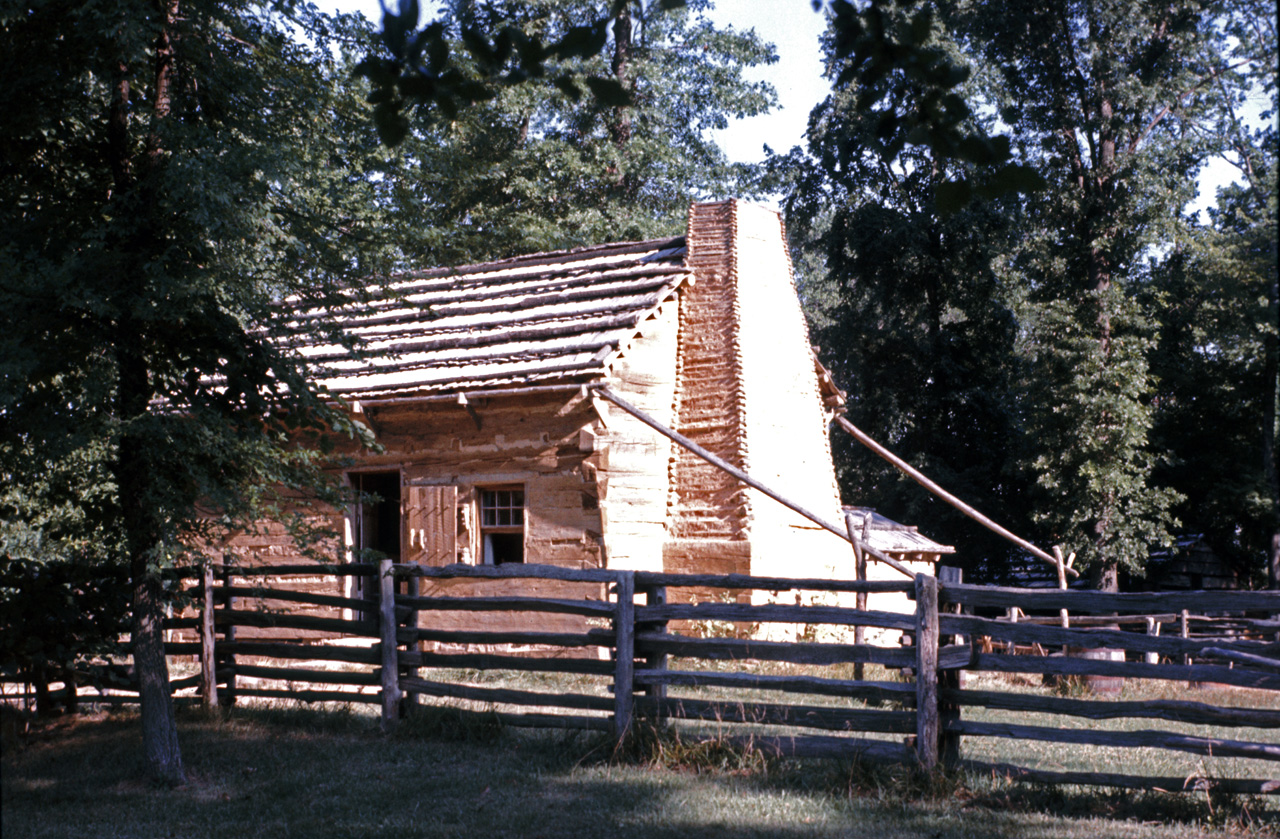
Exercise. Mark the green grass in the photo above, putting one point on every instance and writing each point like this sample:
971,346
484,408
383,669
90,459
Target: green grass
1146,762
291,771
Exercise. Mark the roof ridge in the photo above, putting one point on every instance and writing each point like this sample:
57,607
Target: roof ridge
542,257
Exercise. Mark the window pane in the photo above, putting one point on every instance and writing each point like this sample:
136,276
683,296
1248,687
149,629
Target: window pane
502,508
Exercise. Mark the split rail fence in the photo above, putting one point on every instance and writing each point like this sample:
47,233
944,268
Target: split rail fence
646,653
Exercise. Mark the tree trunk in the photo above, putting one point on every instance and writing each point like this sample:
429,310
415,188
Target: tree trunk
620,67
159,728
621,127
1105,576
143,531
1271,370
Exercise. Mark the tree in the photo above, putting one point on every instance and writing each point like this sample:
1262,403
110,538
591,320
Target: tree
1102,95
538,168
905,302
171,178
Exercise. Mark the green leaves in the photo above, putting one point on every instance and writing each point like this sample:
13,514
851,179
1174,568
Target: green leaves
424,69
886,52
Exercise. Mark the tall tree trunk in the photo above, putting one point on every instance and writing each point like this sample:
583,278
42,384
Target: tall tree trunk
1271,370
143,528
621,127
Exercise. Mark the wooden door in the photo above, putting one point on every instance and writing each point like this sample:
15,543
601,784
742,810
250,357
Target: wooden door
430,517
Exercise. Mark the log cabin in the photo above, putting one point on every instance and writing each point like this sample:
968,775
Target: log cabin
477,382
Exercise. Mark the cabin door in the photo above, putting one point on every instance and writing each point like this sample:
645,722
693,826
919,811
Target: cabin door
375,531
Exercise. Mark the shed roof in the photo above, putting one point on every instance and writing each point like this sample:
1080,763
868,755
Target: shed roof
887,536
541,318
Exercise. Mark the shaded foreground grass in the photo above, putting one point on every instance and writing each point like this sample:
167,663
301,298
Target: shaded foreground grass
315,773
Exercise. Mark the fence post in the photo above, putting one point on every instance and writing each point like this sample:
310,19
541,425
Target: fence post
227,697
387,635
1153,630
656,596
208,650
858,532
410,702
927,726
948,680
624,623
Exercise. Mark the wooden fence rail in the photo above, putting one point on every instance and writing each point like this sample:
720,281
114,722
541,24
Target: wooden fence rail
375,651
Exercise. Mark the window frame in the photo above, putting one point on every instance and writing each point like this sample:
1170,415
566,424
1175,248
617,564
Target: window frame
488,551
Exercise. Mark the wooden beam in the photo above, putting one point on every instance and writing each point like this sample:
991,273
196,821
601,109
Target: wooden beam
844,688
1174,741
473,393
919,477
1105,602
1174,710
774,584
1007,771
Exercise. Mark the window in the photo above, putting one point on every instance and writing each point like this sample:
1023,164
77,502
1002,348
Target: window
502,525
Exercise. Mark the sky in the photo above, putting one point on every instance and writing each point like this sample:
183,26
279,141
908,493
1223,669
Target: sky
793,28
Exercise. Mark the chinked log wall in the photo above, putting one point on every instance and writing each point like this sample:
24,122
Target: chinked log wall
635,643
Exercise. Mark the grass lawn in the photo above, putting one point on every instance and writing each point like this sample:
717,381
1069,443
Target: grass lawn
328,773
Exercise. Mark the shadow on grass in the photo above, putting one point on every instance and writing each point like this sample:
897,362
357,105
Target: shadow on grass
295,771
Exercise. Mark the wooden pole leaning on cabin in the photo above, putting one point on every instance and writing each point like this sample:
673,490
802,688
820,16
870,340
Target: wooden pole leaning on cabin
1062,581
624,625
603,392
389,656
928,724
208,649
919,478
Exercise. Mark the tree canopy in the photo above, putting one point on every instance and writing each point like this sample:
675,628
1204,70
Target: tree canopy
537,168
989,216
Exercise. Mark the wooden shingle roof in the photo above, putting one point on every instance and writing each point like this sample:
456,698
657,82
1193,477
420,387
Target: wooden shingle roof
543,318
